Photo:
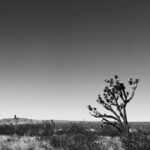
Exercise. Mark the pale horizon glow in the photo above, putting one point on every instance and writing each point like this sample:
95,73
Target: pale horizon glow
55,56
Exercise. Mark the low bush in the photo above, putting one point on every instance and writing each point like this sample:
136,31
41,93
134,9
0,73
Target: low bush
137,141
40,129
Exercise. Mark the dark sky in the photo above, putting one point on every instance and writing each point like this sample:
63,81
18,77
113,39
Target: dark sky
55,55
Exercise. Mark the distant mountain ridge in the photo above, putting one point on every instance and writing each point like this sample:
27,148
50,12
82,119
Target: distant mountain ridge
34,121
29,121
20,121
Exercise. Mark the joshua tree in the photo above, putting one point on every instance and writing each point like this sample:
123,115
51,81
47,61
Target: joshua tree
115,99
15,119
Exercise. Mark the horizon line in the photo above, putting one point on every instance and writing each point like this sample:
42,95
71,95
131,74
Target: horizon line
83,120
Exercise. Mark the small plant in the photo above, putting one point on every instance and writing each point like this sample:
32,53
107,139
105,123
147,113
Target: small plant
136,141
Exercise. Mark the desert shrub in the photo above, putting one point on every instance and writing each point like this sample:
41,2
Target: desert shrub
55,141
7,129
109,131
40,129
76,137
137,141
75,129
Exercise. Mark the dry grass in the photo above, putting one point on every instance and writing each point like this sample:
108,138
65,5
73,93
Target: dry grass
110,143
34,143
23,143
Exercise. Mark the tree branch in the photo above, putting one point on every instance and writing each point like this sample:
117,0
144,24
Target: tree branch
113,124
99,115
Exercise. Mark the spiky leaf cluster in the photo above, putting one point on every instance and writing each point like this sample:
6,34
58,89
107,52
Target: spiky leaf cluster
115,90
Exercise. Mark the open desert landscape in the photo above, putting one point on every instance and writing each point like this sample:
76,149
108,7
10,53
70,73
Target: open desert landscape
74,75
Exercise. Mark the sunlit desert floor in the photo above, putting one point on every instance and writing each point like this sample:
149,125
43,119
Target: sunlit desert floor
34,143
23,143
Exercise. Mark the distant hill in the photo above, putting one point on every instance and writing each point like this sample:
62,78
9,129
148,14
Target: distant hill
20,121
34,121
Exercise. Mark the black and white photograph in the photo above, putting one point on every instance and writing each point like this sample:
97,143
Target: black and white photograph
74,75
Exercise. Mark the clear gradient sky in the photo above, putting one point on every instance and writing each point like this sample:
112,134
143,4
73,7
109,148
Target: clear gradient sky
55,55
